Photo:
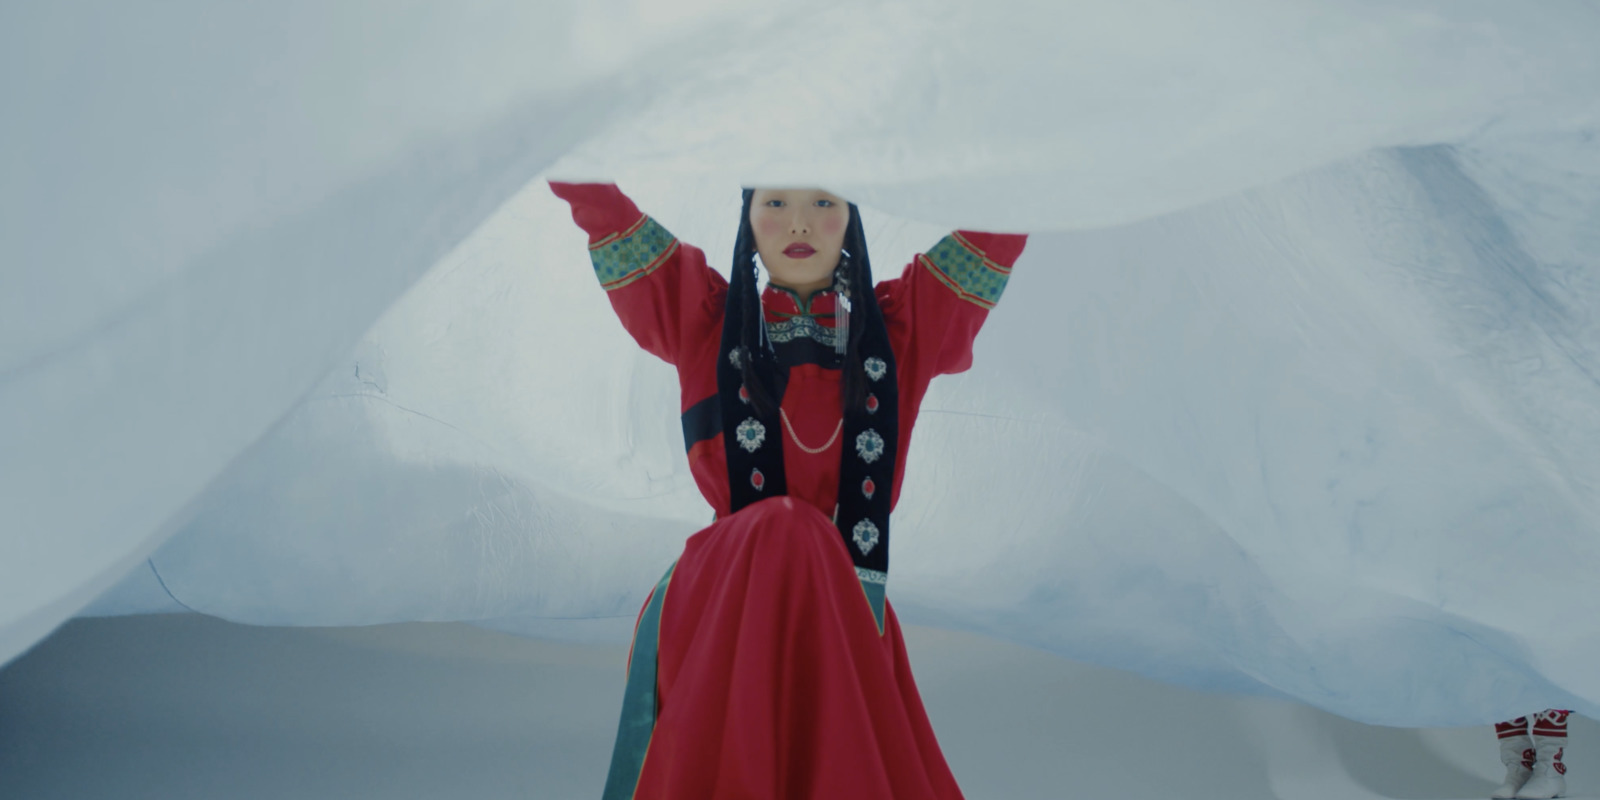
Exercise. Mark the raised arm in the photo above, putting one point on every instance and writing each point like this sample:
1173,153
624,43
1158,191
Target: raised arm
937,306
666,295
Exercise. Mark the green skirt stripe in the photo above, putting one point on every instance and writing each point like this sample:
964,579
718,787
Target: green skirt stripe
638,700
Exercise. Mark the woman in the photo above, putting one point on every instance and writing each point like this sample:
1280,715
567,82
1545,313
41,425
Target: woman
767,663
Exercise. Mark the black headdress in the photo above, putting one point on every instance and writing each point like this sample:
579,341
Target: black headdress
750,388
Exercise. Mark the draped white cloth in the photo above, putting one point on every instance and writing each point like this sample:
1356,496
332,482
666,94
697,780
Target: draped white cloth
1294,391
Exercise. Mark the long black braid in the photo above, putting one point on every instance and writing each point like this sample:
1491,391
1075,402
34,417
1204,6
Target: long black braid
759,380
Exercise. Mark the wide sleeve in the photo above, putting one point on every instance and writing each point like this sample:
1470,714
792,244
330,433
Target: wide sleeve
666,295
935,309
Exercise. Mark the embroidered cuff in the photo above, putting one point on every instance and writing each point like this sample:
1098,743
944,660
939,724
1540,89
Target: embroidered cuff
622,258
960,265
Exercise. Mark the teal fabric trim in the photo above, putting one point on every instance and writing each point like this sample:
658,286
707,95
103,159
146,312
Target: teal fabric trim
621,259
961,267
875,595
638,722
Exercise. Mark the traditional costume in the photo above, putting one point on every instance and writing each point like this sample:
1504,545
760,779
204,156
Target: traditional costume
767,663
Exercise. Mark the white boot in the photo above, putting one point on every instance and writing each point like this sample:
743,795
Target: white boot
1549,773
1516,752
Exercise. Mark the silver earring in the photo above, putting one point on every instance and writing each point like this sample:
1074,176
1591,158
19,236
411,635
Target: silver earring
841,314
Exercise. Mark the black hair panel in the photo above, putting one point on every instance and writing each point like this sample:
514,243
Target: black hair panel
753,328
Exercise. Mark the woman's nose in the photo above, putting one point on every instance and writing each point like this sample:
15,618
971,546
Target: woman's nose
798,224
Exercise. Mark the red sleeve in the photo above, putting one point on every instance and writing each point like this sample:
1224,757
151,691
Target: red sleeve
663,291
936,307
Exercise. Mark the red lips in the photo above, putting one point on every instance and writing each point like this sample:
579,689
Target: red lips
799,250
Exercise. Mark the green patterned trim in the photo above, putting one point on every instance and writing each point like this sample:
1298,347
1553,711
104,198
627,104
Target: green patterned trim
960,265
622,258
801,327
639,701
874,584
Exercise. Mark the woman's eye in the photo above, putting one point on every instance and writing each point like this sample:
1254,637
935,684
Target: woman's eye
774,204
824,204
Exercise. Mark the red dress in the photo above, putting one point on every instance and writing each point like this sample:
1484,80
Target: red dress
771,678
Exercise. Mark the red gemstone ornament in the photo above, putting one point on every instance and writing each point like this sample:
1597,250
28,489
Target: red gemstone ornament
872,404
744,395
869,488
758,480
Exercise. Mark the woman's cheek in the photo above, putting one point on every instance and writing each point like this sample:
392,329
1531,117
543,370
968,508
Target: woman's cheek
769,228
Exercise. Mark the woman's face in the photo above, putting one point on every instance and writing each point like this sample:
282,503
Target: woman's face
799,235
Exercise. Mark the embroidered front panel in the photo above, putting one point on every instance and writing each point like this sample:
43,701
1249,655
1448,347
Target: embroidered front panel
801,327
964,268
622,258
872,575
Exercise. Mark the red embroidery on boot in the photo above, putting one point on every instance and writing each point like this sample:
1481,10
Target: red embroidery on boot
1561,769
1550,723
1528,757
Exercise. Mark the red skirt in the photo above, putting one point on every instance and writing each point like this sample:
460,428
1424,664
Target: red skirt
758,671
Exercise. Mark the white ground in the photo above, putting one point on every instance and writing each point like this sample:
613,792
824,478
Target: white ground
184,707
